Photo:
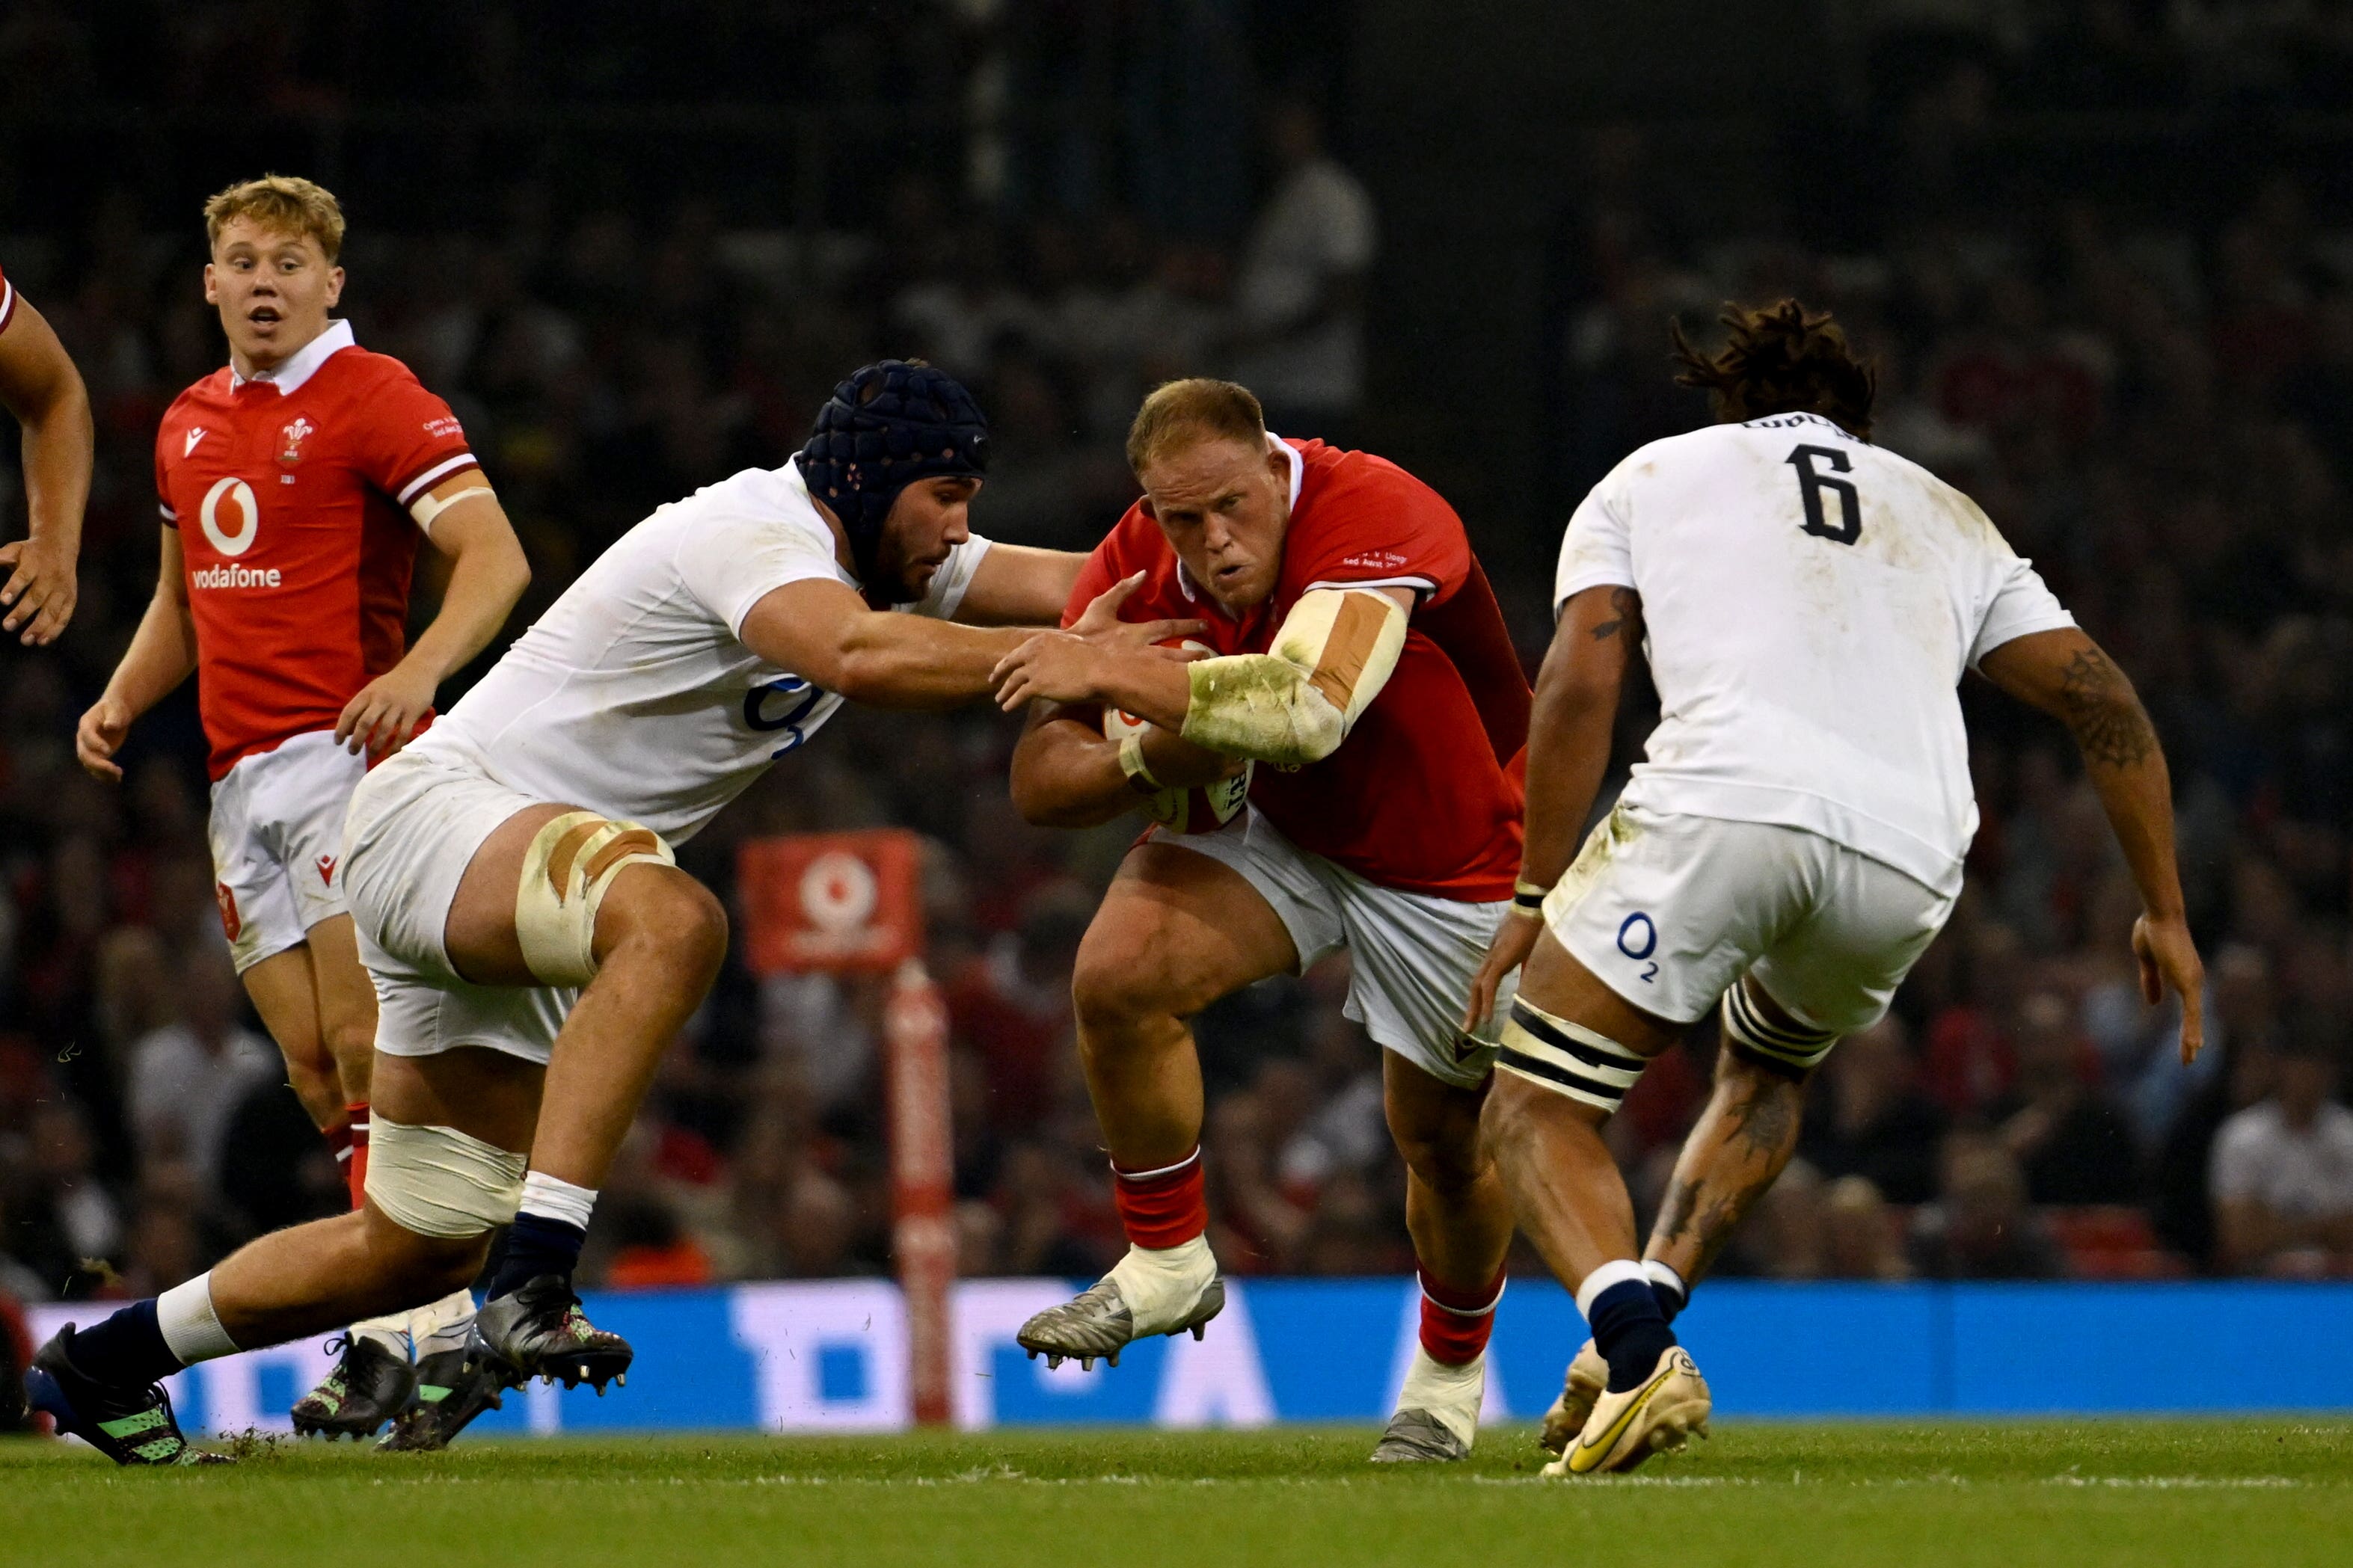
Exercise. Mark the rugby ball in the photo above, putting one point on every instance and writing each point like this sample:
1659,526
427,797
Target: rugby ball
1202,809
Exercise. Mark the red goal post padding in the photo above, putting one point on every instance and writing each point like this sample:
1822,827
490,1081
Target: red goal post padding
851,903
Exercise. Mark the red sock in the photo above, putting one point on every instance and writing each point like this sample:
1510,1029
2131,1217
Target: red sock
1455,1323
338,1135
1162,1208
357,1172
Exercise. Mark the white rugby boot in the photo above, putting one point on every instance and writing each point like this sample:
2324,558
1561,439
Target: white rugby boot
1660,1412
1589,1374
1165,1290
1437,1414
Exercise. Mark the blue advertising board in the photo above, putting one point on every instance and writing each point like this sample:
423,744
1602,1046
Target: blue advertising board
830,1355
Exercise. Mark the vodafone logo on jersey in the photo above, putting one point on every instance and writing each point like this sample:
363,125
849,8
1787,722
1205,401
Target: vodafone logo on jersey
231,519
231,501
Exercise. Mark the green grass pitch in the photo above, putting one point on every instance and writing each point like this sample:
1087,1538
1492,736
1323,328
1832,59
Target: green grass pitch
2274,1492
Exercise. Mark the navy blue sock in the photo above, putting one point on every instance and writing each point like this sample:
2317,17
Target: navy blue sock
1630,1332
126,1351
536,1245
1671,1301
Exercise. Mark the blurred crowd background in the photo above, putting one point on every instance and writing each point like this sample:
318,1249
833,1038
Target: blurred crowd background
2099,250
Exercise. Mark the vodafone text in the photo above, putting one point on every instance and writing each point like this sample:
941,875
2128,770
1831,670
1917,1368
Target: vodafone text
227,576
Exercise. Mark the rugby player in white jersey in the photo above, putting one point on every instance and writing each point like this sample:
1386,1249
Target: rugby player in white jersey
1808,603
534,947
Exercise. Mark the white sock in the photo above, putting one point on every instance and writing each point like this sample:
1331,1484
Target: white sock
193,1330
1452,1393
1616,1273
1161,1284
1664,1274
552,1197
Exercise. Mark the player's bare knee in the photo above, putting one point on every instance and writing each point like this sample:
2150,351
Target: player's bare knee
1436,1127
1117,985
666,916
1449,1160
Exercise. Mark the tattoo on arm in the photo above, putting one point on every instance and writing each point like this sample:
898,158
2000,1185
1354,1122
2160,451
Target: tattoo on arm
1625,617
2101,711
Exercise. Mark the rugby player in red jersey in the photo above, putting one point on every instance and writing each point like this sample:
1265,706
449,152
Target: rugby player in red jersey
39,386
1361,667
296,483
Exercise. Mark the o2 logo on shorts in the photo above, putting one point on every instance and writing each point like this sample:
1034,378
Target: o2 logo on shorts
791,687
1638,938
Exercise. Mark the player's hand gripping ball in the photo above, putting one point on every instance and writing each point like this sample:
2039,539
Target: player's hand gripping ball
1203,808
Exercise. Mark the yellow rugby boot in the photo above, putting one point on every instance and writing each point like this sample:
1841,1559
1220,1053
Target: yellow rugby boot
1660,1412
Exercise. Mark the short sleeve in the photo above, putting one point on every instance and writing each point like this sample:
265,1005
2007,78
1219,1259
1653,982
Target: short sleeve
2019,605
7,302
730,560
948,585
1597,550
410,442
1375,526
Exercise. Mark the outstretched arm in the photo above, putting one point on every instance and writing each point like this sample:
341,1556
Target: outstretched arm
1570,725
2066,675
487,575
1020,586
824,631
39,386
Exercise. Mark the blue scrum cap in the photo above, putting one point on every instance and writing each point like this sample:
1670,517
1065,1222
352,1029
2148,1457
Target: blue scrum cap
889,425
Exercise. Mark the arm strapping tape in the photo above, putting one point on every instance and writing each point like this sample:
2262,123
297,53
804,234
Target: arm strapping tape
1297,703
571,862
425,508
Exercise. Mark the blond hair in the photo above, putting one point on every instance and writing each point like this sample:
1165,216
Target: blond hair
282,204
1180,414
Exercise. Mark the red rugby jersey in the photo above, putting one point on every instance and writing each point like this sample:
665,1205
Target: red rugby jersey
1425,794
290,495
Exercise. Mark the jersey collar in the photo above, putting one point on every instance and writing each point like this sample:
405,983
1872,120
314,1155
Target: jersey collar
304,364
1298,464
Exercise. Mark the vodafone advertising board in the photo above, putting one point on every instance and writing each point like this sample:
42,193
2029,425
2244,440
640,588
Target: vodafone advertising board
833,901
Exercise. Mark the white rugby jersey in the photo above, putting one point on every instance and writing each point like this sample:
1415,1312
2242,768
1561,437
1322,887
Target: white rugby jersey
633,696
1809,602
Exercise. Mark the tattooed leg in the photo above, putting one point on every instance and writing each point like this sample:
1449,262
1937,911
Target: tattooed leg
1734,1152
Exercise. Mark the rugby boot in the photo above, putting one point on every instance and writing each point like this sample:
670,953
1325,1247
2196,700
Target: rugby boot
369,1387
1144,1294
1415,1436
129,1426
1589,1374
449,1395
1437,1416
537,1329
1659,1413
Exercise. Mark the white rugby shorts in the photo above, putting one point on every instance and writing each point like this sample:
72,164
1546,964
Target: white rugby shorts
277,842
412,828
1412,955
1669,910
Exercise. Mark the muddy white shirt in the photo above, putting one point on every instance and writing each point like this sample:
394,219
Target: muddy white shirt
634,695
1810,603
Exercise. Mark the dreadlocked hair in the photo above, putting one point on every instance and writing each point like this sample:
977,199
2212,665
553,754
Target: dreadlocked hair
1781,359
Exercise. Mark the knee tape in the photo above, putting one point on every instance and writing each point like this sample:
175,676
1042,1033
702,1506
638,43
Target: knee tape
437,1181
1567,1057
1792,1053
570,863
